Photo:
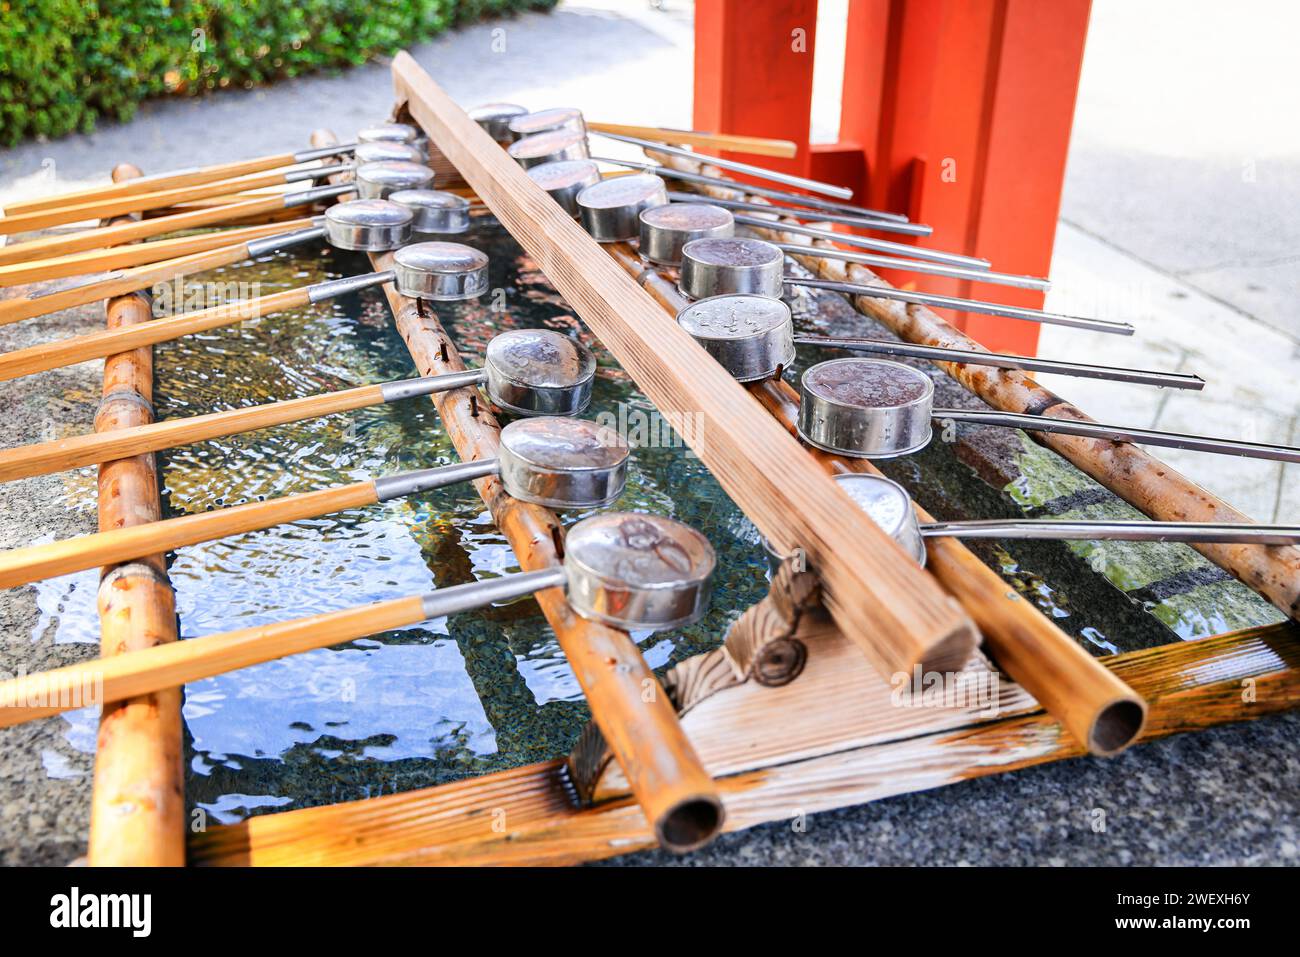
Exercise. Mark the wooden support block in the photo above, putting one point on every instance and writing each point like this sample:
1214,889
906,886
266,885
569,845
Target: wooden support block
852,757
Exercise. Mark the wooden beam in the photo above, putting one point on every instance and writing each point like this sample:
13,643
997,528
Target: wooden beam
896,613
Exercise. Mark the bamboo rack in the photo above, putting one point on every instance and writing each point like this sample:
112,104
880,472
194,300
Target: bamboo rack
138,799
827,734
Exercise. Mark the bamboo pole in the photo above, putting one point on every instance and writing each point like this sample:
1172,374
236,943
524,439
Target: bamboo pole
62,244
1099,710
732,142
96,345
60,455
151,184
1144,481
138,801
896,613
117,543
45,218
121,257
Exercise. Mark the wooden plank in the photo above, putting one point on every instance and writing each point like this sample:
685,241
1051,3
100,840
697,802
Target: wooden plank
137,814
897,614
1190,685
1153,487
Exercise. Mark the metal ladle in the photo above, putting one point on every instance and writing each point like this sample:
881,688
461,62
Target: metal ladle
557,462
495,119
821,216
753,338
435,271
867,218
667,232
611,209
715,267
378,180
435,210
385,151
525,371
549,147
544,121
874,408
565,179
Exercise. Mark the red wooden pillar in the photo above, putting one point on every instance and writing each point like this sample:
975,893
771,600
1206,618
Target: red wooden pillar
754,72
956,112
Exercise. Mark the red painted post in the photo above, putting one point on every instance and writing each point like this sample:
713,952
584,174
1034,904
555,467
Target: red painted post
956,112
754,71
968,130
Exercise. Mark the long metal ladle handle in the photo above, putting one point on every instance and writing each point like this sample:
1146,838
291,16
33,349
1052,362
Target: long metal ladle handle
321,291
870,216
772,176
1060,530
424,480
304,197
296,237
910,265
969,267
964,305
818,215
888,347
1172,440
467,597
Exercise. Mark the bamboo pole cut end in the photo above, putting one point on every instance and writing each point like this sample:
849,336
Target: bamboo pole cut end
690,824
1116,726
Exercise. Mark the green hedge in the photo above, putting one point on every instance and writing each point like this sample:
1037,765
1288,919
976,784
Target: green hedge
66,63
